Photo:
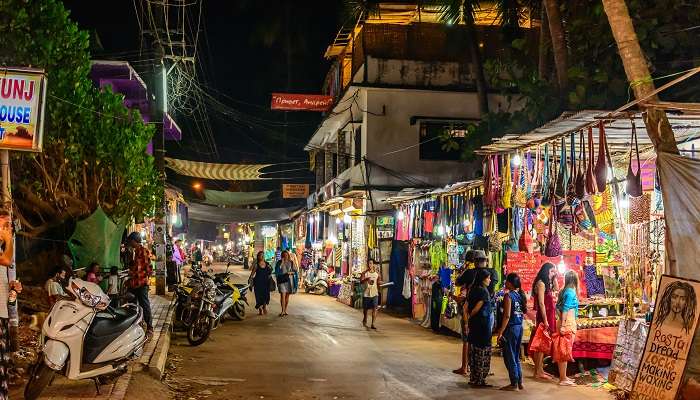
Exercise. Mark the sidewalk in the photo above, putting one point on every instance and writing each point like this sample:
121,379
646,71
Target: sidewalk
64,389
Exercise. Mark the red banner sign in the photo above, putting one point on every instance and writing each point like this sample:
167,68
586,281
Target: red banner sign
301,102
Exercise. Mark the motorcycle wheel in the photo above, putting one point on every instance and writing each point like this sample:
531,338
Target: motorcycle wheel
237,311
319,290
199,331
38,380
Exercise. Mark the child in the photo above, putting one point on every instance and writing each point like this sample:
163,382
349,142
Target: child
567,310
510,332
113,287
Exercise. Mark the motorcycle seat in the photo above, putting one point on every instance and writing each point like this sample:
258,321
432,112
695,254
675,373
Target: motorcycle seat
106,324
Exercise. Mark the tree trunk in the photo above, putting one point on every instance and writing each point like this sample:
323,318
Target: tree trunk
556,30
479,76
543,53
638,74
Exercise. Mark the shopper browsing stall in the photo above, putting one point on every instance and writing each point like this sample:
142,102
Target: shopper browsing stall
510,331
542,288
567,310
480,312
463,283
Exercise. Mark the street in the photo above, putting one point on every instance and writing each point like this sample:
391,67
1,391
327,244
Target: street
321,351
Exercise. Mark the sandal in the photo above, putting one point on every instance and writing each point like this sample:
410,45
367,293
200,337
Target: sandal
567,382
460,371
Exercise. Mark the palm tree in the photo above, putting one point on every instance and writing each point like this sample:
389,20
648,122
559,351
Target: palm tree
464,12
559,50
637,71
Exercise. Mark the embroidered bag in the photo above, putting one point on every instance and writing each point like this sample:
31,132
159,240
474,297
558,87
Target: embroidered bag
553,246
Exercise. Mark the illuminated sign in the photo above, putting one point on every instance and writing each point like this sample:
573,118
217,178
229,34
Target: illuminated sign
22,100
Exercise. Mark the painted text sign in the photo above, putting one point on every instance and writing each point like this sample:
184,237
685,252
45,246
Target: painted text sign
22,96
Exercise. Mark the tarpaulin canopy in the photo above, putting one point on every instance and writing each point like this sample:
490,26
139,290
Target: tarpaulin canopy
224,172
217,197
96,239
202,212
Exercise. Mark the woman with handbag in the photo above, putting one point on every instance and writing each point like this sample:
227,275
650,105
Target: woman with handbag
285,271
567,311
542,288
479,313
260,278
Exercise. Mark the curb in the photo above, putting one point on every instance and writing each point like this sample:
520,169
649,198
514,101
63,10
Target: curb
156,365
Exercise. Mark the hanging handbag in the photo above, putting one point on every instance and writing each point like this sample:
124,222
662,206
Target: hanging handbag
552,247
601,165
571,187
591,186
580,185
526,243
506,184
545,177
634,182
520,196
498,203
562,177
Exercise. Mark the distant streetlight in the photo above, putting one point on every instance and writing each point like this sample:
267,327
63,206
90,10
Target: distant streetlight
197,186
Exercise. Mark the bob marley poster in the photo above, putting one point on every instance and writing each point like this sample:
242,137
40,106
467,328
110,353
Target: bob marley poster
671,333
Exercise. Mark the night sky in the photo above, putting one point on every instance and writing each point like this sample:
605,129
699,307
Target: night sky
242,58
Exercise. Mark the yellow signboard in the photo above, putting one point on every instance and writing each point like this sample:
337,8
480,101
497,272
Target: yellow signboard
22,97
295,191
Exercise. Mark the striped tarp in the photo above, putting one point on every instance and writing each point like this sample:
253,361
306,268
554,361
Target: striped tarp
223,172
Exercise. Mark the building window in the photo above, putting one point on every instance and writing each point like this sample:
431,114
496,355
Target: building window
432,144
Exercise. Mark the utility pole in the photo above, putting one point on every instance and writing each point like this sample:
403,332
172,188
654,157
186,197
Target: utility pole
158,103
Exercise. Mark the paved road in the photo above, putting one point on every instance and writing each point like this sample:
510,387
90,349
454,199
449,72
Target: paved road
321,351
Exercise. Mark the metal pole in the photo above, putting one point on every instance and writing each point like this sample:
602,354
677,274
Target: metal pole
12,311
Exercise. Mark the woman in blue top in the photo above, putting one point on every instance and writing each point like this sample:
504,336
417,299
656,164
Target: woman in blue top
567,310
479,337
510,332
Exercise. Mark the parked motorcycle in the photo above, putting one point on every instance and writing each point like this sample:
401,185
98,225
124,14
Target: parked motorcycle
85,338
317,283
232,296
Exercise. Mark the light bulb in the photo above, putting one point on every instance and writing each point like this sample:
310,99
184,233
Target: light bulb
440,230
561,267
338,220
347,218
516,160
400,215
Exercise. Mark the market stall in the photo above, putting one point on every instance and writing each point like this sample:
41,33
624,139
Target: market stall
580,192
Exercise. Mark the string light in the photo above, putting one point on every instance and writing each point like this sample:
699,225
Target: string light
338,220
561,267
440,230
311,219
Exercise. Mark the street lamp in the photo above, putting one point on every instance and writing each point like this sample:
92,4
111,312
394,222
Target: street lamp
197,185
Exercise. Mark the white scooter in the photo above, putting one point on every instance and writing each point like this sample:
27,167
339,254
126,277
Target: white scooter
84,338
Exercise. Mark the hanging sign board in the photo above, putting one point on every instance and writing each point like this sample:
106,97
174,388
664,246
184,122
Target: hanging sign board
670,336
22,98
301,102
295,191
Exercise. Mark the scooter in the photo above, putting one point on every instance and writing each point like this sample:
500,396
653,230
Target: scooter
318,282
230,297
84,338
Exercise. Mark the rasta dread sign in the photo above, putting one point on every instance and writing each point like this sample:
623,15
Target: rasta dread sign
22,97
670,336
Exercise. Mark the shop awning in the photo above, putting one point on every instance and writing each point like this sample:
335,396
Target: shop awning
219,215
414,194
222,198
618,131
224,172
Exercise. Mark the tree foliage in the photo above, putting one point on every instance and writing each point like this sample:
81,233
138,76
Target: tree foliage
94,148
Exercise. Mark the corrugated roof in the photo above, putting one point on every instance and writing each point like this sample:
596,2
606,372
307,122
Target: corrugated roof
618,132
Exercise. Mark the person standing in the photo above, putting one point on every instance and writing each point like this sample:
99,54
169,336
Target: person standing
284,270
480,311
8,294
54,285
463,282
93,273
567,311
510,331
260,279
113,287
370,297
545,283
140,270
179,258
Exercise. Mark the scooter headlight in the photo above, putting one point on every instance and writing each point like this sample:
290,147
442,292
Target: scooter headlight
88,298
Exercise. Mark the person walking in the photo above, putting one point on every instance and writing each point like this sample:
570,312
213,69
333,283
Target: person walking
480,311
567,311
510,331
260,280
284,271
545,283
370,296
140,270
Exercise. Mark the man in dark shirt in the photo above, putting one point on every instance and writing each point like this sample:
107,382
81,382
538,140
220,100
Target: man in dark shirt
481,261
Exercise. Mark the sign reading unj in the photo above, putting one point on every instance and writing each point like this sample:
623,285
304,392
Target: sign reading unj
670,337
22,97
